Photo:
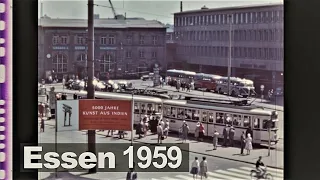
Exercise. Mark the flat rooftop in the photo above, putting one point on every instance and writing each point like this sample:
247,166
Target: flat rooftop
100,23
229,8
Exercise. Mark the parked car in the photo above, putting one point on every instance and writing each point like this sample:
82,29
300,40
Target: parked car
278,92
145,77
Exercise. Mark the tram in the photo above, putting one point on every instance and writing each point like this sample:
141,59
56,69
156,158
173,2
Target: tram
213,115
143,105
216,116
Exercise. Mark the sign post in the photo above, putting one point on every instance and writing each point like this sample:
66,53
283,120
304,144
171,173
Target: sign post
269,133
262,89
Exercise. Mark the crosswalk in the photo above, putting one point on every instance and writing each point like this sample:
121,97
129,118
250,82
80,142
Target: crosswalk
240,173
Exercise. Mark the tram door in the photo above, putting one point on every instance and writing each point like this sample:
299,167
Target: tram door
256,129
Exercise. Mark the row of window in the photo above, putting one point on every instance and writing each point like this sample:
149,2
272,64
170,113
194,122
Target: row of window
236,18
236,120
237,52
237,35
128,55
107,62
107,40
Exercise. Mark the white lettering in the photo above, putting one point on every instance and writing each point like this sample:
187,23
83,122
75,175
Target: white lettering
92,113
103,156
68,157
51,157
91,161
28,157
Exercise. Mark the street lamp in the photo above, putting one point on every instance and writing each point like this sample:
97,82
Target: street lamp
230,55
262,89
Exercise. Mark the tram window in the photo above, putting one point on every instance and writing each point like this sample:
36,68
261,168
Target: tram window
204,116
228,119
236,120
265,124
143,110
136,108
173,112
219,118
195,115
159,108
149,108
180,113
247,121
166,111
210,117
188,114
256,123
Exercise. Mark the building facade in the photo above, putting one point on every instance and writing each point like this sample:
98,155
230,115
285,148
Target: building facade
122,48
256,42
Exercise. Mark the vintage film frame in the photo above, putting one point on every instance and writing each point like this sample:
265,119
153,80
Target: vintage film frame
5,87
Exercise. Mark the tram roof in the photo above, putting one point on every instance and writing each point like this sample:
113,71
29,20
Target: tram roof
235,109
123,96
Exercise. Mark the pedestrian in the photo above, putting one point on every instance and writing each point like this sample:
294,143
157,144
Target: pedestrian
215,139
203,168
139,129
110,131
249,131
121,134
195,168
42,125
225,136
201,132
166,128
160,133
248,144
242,141
231,136
131,175
185,131
197,131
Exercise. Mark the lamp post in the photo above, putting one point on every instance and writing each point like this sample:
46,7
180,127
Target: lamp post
262,89
229,60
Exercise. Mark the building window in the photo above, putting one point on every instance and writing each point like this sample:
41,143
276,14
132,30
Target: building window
111,39
81,40
107,63
128,54
60,63
246,18
129,39
64,40
82,57
55,40
154,54
141,40
103,40
154,40
141,54
241,18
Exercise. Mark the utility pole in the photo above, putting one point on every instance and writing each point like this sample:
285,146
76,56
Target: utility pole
90,89
230,52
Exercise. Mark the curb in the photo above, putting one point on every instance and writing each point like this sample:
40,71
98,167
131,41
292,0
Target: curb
221,157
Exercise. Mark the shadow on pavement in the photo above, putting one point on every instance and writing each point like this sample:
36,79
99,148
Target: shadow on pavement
67,175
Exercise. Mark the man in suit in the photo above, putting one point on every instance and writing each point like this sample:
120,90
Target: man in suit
131,175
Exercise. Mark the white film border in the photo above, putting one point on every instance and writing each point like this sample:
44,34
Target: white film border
3,80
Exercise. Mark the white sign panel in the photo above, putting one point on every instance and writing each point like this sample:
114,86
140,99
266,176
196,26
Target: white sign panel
67,115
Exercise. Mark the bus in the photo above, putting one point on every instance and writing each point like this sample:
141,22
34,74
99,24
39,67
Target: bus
174,75
217,116
206,81
238,87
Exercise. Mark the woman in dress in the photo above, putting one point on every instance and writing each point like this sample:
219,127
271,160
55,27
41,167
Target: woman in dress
201,132
196,131
203,168
195,168
185,131
248,144
166,128
215,139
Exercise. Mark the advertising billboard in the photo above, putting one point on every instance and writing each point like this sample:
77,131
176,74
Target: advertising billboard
105,114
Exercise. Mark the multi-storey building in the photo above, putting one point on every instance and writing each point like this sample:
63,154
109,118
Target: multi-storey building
121,47
256,41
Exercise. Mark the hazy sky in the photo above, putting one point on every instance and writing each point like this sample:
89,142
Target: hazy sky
152,9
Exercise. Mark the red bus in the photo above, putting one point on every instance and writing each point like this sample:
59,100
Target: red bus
206,81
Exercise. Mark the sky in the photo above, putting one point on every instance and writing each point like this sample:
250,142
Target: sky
150,10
